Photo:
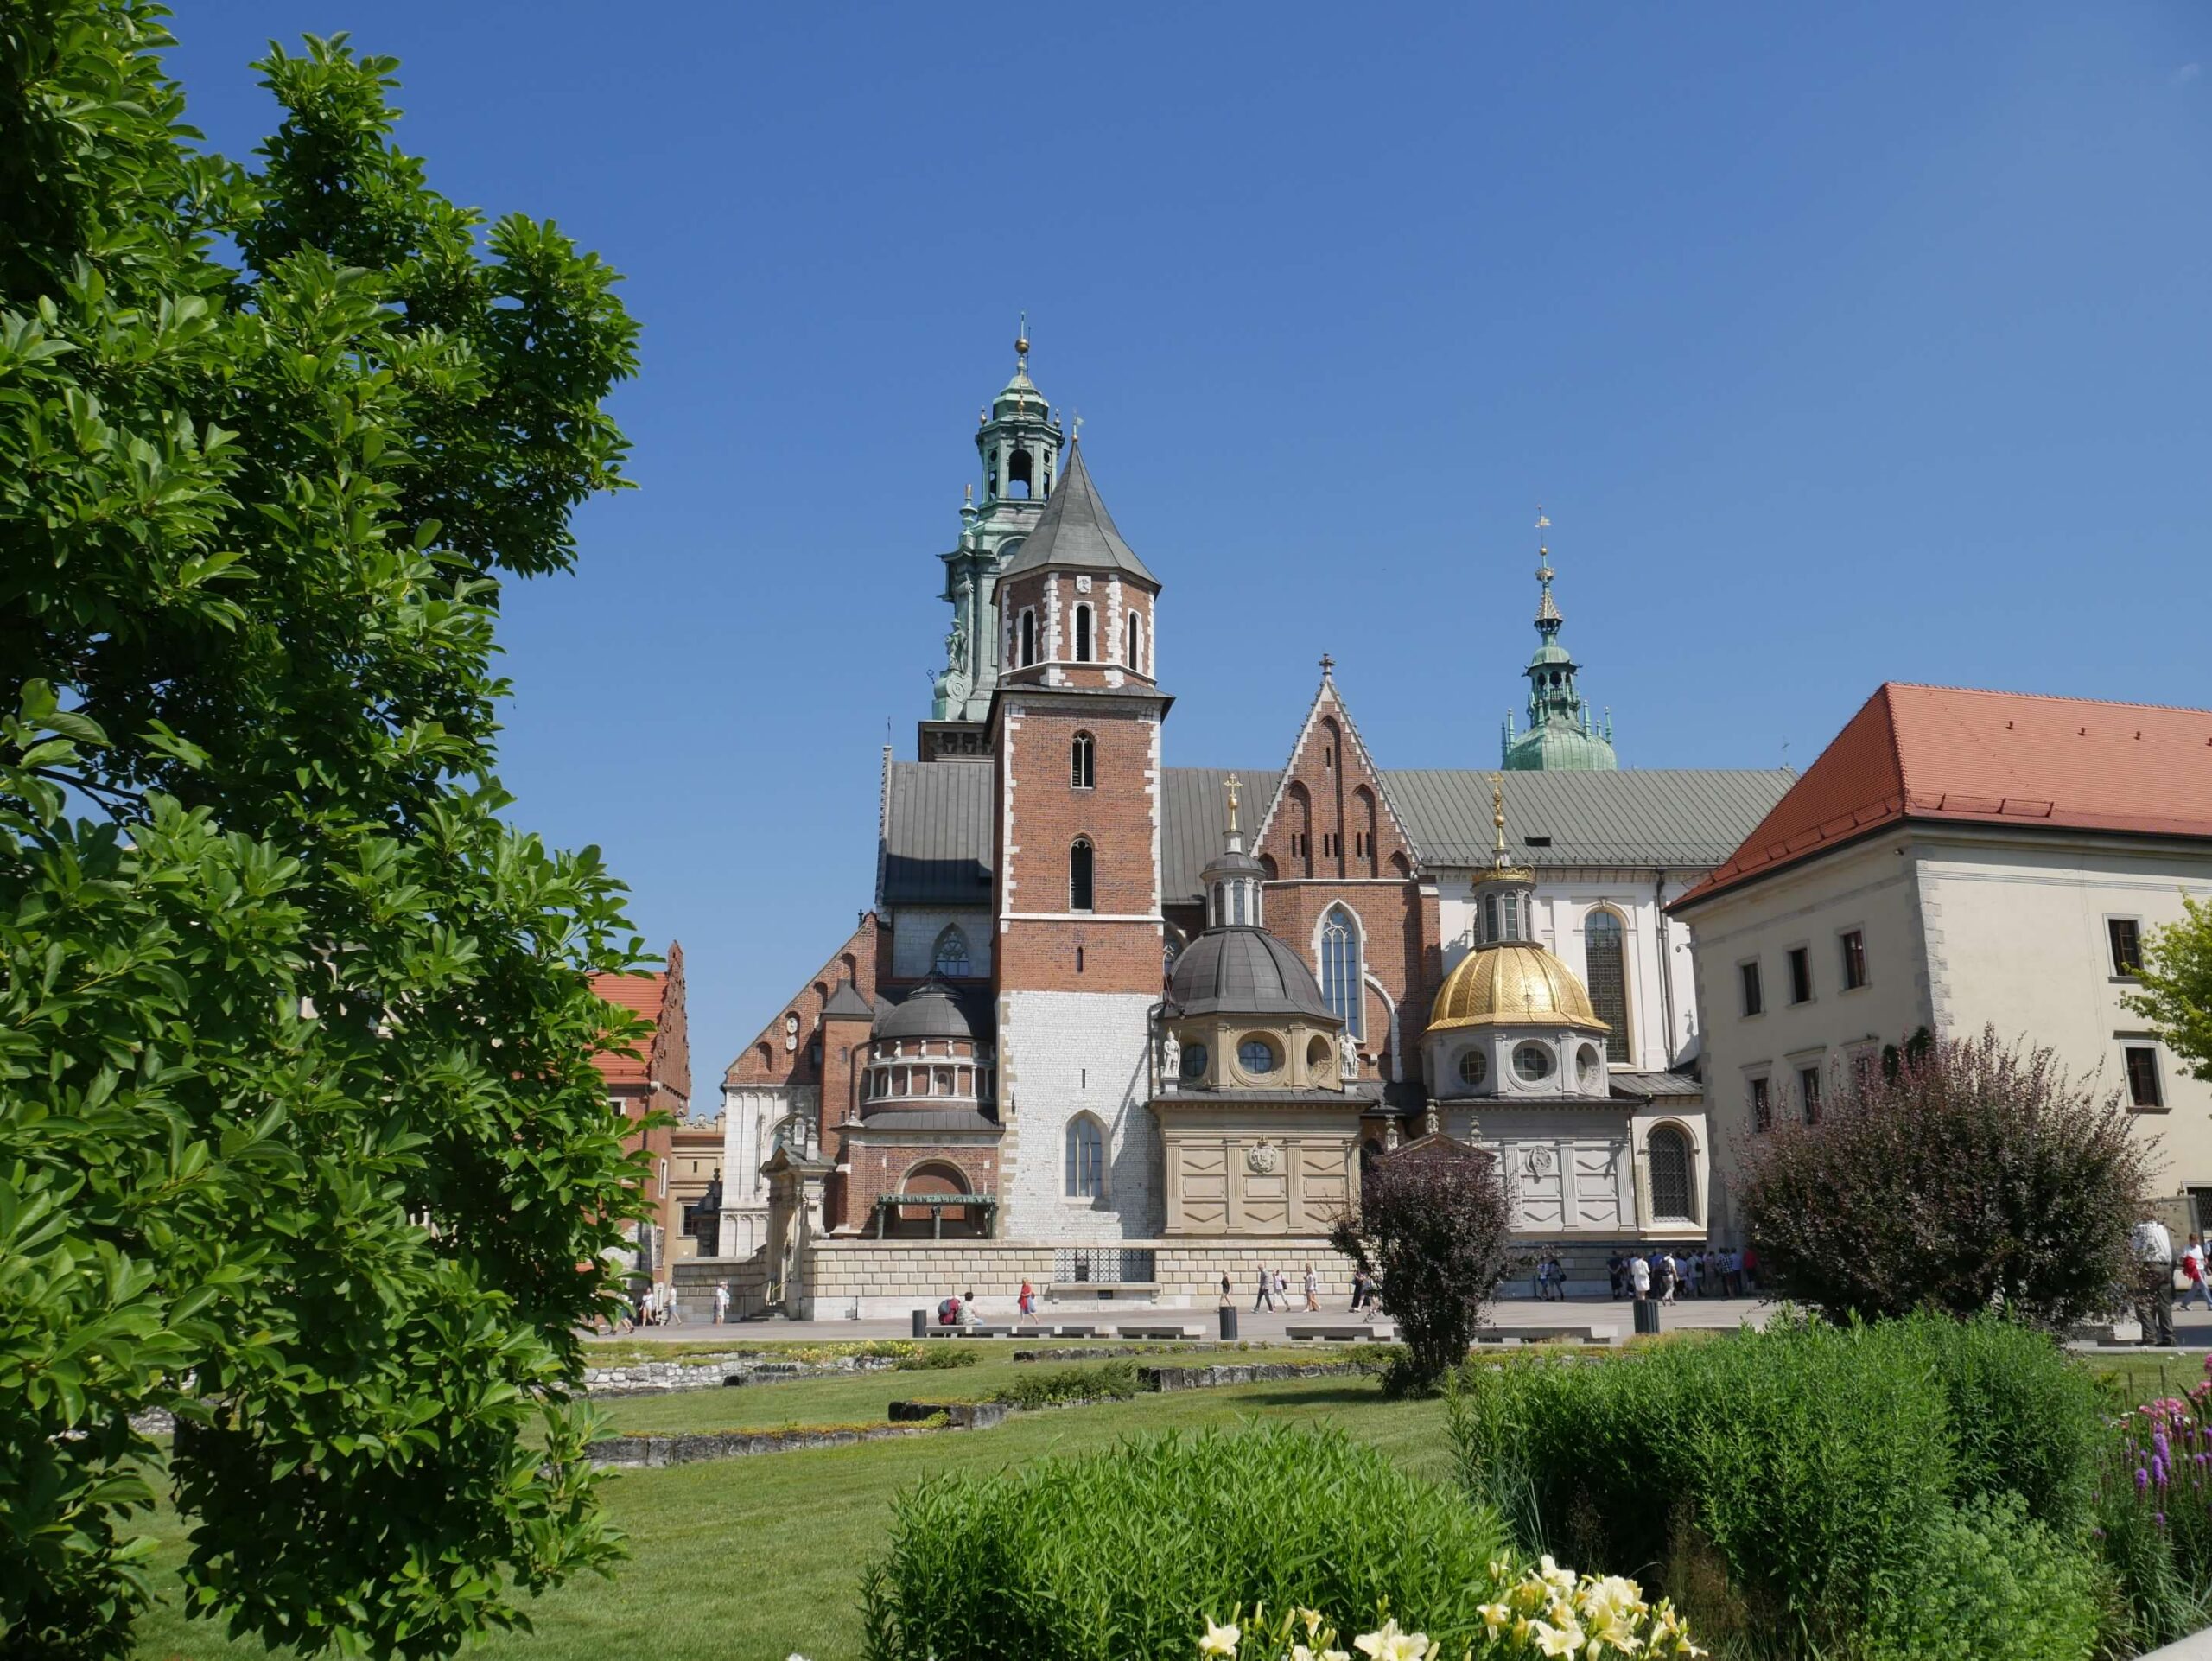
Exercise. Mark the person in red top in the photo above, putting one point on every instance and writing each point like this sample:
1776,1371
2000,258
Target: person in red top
1750,1268
1028,1300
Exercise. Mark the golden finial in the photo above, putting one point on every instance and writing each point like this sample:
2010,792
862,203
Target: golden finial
1231,784
1497,816
1022,341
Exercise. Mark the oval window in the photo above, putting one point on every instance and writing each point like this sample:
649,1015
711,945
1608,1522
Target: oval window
1193,1065
1256,1055
1474,1067
1533,1062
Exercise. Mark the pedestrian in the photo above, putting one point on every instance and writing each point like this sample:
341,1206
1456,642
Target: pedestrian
2153,1251
1027,1303
672,1311
722,1302
1751,1270
1731,1272
1616,1275
1665,1276
1267,1298
1313,1291
1228,1297
967,1307
1639,1277
2192,1271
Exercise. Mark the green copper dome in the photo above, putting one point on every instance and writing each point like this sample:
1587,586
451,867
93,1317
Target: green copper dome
1562,737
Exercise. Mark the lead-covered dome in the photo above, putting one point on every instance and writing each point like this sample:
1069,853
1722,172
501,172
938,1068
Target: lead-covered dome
1244,971
929,1011
1516,983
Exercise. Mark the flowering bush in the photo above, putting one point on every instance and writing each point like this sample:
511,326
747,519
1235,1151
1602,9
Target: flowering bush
2155,1510
1542,1612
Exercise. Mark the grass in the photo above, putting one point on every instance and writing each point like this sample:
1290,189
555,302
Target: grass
752,1559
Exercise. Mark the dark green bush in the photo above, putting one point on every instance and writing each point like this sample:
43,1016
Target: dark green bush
1118,1556
1809,1465
1111,1381
1995,1584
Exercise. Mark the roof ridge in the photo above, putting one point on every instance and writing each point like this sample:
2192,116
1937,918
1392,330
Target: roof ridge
2040,697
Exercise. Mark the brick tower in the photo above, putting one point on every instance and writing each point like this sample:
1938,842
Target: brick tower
1075,728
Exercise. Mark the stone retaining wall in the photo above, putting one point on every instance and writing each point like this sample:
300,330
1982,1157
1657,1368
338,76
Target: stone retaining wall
872,1279
1251,1373
712,1372
651,1451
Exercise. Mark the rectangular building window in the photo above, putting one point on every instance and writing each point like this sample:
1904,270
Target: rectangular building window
1808,1094
1754,996
1762,1105
2142,1075
1854,960
1800,974
2126,946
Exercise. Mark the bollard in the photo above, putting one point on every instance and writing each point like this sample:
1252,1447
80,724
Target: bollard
1646,1315
922,1323
1227,1320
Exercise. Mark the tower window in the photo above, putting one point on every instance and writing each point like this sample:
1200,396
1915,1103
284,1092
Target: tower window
1341,977
1082,770
1080,874
1133,642
1028,639
950,958
1605,974
1020,473
1082,634
1086,1158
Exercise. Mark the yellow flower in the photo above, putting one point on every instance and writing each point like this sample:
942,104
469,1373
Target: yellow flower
1554,1640
1313,1619
1552,1574
1219,1640
1391,1644
1495,1615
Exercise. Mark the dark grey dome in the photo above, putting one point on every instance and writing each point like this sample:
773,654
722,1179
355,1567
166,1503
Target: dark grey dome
929,1011
1244,971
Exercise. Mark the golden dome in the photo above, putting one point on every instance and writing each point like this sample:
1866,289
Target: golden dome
1513,984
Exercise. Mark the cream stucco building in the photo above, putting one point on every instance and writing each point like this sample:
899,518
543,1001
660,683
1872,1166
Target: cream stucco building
1955,860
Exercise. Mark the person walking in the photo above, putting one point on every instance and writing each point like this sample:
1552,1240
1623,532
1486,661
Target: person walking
1282,1289
1358,1290
1267,1298
2192,1273
1751,1271
1313,1291
2153,1249
1028,1301
1639,1275
722,1302
1228,1297
1665,1277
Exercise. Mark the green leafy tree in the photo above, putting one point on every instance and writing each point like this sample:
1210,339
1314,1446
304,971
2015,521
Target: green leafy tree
300,1138
2176,976
1974,1172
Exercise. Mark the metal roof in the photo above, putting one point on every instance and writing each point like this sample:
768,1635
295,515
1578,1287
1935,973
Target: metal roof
1075,531
1244,971
938,823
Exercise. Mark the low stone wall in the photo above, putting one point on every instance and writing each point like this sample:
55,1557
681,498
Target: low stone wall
1253,1372
958,1415
717,1370
651,1451
874,1279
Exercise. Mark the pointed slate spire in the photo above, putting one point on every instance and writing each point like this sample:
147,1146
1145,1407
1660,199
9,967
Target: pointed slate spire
1075,532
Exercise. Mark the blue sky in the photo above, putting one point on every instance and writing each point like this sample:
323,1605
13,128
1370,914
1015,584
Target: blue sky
1838,344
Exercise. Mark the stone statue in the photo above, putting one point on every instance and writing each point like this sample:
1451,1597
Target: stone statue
1347,1055
1171,1056
956,643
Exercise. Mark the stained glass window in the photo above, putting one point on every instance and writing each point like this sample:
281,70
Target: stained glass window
1341,976
1606,975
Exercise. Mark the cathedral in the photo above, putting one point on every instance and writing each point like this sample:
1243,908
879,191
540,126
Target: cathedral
1118,1024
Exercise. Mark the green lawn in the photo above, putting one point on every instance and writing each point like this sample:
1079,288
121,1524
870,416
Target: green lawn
752,1559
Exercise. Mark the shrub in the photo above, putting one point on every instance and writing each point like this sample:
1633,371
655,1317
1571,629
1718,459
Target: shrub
1993,1583
943,1358
1435,1223
1112,1381
1976,1174
2155,1514
1781,1477
1122,1554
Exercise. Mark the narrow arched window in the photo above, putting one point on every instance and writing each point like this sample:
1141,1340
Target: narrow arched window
1673,1196
1028,639
1132,633
1086,1159
1082,634
1341,977
1606,975
950,958
1083,761
1018,471
1079,876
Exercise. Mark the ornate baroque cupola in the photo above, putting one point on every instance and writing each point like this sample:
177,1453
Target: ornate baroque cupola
1561,736
1019,442
1512,1019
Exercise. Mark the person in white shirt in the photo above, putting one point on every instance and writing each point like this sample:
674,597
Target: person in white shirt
2152,1248
1639,1274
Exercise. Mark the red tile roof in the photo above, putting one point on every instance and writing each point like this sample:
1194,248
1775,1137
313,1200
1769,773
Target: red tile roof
644,994
1952,754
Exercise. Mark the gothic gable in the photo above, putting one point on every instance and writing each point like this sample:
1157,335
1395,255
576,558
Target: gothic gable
783,1052
1331,815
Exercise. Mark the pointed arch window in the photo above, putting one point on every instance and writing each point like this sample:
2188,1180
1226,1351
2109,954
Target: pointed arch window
1133,640
1086,1159
1606,975
1028,639
1080,874
1083,761
1082,634
1341,971
950,958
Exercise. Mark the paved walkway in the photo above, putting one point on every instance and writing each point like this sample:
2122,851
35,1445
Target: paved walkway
1723,1312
